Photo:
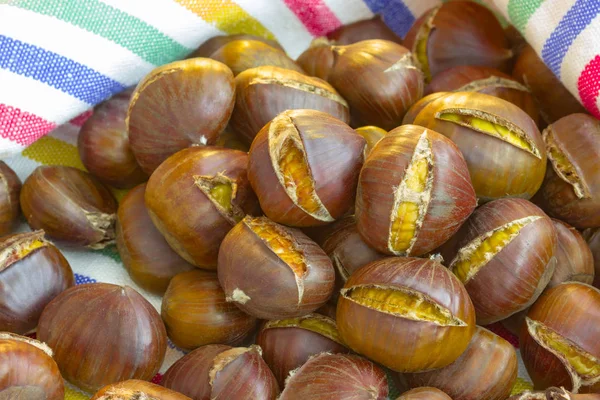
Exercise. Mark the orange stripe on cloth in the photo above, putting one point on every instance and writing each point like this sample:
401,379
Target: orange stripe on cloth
227,16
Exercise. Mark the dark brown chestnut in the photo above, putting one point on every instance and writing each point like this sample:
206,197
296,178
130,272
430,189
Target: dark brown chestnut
223,372
414,192
196,196
592,236
178,105
554,393
373,28
424,393
196,313
216,42
264,92
70,205
10,209
372,135
304,168
271,271
416,108
134,389
149,259
122,338
574,259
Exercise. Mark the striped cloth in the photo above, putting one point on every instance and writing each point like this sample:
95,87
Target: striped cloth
58,58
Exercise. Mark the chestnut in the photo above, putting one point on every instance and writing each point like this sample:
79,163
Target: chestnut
222,372
304,168
571,189
240,55
554,393
574,260
27,370
414,192
373,28
458,33
505,257
592,236
416,108
336,376
424,393
196,312
196,196
371,134
122,338
10,209
559,341
318,59
486,370
502,145
417,302
134,389
289,343
178,105
216,42
70,205
103,144
32,273
150,261
272,271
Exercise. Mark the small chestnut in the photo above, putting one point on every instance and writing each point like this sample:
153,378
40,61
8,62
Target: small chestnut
304,166
216,42
32,273
424,393
372,135
592,236
70,205
103,333
272,271
366,29
134,389
27,370
196,312
574,259
10,209
417,302
223,372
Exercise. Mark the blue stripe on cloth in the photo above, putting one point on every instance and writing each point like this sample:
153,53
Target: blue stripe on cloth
81,279
395,14
572,24
57,71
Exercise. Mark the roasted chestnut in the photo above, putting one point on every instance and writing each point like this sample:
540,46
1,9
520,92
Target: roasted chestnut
424,393
414,192
216,42
318,59
486,370
264,92
222,372
505,257
502,145
150,261
554,393
571,189
70,205
103,144
178,105
196,196
134,389
559,342
103,333
304,168
366,29
592,236
289,343
574,260
417,302
10,209
32,272
196,313
271,271
458,33
371,134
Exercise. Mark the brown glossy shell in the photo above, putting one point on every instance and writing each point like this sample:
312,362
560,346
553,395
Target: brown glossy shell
373,28
318,59
574,260
134,389
10,209
592,236
424,393
216,42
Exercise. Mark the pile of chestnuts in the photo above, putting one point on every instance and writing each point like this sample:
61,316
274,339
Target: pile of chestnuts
347,225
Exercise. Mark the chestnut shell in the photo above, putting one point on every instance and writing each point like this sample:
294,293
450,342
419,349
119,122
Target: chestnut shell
574,259
10,209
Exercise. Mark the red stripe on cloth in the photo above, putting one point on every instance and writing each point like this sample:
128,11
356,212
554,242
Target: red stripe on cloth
157,379
22,127
81,118
504,333
588,85
315,15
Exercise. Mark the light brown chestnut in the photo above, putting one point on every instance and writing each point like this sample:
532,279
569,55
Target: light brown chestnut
424,393
574,259
134,389
216,42
10,209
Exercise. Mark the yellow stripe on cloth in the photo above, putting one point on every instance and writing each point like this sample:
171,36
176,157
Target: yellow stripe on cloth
521,385
227,16
71,394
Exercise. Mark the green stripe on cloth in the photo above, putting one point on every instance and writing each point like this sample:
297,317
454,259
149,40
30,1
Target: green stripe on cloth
520,11
108,22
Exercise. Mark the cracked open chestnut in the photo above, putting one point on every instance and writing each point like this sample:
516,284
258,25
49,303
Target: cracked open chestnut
574,259
134,389
424,393
10,209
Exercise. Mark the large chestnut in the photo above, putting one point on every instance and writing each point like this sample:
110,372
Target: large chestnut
289,343
103,333
32,273
502,145
559,341
366,29
27,370
417,302
424,393
264,92
70,205
223,372
574,259
458,33
10,209
304,167
196,196
134,389
571,189
592,236
486,370
103,144
149,259
414,192
216,42
505,257
178,105
196,312
272,271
